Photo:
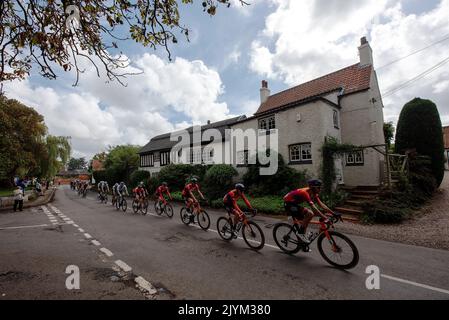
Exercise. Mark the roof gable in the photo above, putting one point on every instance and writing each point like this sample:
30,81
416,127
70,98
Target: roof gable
351,79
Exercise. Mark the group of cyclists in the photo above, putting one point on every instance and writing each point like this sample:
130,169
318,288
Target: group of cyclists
80,186
300,204
294,201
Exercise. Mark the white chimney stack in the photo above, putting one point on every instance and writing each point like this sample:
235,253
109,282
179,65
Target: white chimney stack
264,92
365,52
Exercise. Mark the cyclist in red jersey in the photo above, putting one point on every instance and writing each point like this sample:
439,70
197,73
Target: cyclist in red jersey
161,190
310,195
140,192
231,206
187,193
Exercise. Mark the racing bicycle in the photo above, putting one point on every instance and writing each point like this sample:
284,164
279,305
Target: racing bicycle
188,217
252,233
163,207
335,248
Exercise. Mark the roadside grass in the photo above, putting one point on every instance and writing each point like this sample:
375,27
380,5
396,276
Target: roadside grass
6,192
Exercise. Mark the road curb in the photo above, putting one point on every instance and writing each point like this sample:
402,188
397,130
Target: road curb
36,203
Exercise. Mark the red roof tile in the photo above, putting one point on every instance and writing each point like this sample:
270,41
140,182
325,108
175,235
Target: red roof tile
351,79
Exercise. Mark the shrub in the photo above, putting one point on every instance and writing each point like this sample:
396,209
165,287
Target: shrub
394,209
176,175
283,181
273,205
419,127
138,176
218,180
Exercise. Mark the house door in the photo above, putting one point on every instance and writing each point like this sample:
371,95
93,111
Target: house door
339,171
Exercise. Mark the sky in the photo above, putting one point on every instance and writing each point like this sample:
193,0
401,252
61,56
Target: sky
218,73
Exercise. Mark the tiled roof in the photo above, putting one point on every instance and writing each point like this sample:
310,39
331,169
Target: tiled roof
351,79
162,142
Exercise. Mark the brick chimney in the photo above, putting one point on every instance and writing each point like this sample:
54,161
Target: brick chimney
365,53
264,92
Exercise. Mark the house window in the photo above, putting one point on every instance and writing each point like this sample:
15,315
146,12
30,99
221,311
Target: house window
267,123
157,157
301,153
195,155
355,158
147,160
208,155
165,158
243,158
335,118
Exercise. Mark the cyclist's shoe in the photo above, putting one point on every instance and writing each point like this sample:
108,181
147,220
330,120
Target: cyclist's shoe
304,238
306,249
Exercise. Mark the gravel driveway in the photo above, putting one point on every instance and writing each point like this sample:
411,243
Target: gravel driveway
428,228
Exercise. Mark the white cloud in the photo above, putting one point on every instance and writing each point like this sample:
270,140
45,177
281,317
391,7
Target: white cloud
306,39
97,114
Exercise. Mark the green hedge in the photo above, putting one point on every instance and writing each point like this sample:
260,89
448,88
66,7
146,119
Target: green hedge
273,205
218,180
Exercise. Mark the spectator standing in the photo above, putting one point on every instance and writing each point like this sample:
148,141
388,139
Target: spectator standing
18,199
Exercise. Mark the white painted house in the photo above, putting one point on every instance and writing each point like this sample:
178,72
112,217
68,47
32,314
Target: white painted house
345,104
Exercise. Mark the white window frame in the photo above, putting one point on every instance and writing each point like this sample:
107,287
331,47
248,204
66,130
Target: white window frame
355,158
301,150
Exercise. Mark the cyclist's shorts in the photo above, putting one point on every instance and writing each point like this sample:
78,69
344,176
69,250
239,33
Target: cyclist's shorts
229,206
294,210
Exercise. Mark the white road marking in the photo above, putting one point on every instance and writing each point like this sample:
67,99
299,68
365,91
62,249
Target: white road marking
416,284
123,266
144,284
23,227
95,242
88,236
80,230
107,252
75,225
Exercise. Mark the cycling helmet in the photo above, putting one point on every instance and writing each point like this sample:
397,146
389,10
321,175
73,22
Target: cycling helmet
141,183
240,187
122,183
314,183
164,183
194,180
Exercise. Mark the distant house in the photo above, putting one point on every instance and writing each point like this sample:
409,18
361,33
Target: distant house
345,104
97,165
446,145
158,152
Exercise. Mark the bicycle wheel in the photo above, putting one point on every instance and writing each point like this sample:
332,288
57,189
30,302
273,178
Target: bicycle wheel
117,204
253,235
105,199
124,205
286,238
224,228
144,208
185,216
169,210
157,208
203,220
135,206
339,251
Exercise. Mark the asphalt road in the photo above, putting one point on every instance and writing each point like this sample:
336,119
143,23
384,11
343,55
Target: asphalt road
174,261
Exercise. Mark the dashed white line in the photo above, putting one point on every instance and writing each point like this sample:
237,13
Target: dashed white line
75,225
107,252
95,242
144,284
123,266
81,230
88,236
